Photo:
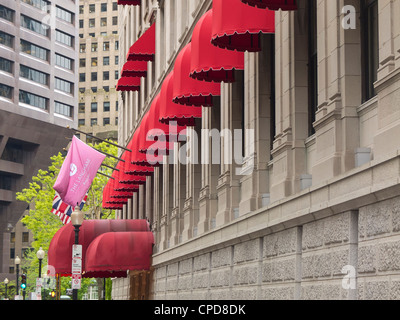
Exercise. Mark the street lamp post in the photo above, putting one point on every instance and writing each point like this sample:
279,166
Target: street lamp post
5,284
40,256
17,262
77,217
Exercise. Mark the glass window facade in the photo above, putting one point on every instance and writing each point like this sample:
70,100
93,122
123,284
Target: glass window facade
33,99
34,75
34,50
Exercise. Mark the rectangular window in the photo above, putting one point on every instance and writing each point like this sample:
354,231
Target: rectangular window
82,63
82,48
64,62
116,60
6,39
94,76
6,65
115,21
94,62
6,13
116,45
94,47
104,7
33,100
312,65
33,75
106,106
34,50
115,6
106,61
106,46
81,9
103,22
64,38
64,14
93,122
64,85
106,75
94,89
93,107
6,91
106,121
34,25
92,23
81,24
92,8
81,122
63,109
82,77
39,4
81,107
370,47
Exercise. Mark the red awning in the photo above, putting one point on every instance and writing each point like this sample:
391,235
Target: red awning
129,2
173,112
273,4
208,62
134,69
128,84
155,135
236,26
145,47
60,249
113,254
188,91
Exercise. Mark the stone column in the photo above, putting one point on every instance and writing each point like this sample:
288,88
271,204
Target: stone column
339,83
291,103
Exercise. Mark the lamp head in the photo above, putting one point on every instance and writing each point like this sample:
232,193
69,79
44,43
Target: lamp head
40,254
77,217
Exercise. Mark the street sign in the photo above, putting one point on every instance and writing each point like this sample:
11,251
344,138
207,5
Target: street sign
77,251
76,266
76,281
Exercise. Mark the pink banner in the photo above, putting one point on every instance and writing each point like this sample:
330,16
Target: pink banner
77,172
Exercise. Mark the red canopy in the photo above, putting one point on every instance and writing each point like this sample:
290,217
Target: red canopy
60,249
188,91
145,47
236,26
173,112
273,4
112,254
128,84
134,69
208,62
130,2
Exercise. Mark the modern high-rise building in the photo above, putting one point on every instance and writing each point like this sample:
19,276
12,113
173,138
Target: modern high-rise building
312,209
38,100
98,68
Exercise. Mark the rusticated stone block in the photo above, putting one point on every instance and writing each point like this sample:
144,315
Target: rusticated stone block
246,251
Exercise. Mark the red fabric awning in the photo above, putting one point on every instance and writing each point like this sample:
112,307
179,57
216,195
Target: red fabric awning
128,84
236,26
60,249
188,91
173,112
273,4
129,2
145,47
134,69
112,254
208,62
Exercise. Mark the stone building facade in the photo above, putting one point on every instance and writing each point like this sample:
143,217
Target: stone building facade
313,210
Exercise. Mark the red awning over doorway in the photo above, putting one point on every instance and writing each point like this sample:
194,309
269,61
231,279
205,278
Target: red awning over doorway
145,47
236,26
208,62
112,254
60,249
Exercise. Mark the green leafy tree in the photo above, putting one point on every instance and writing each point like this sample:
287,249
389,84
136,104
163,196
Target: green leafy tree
43,224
